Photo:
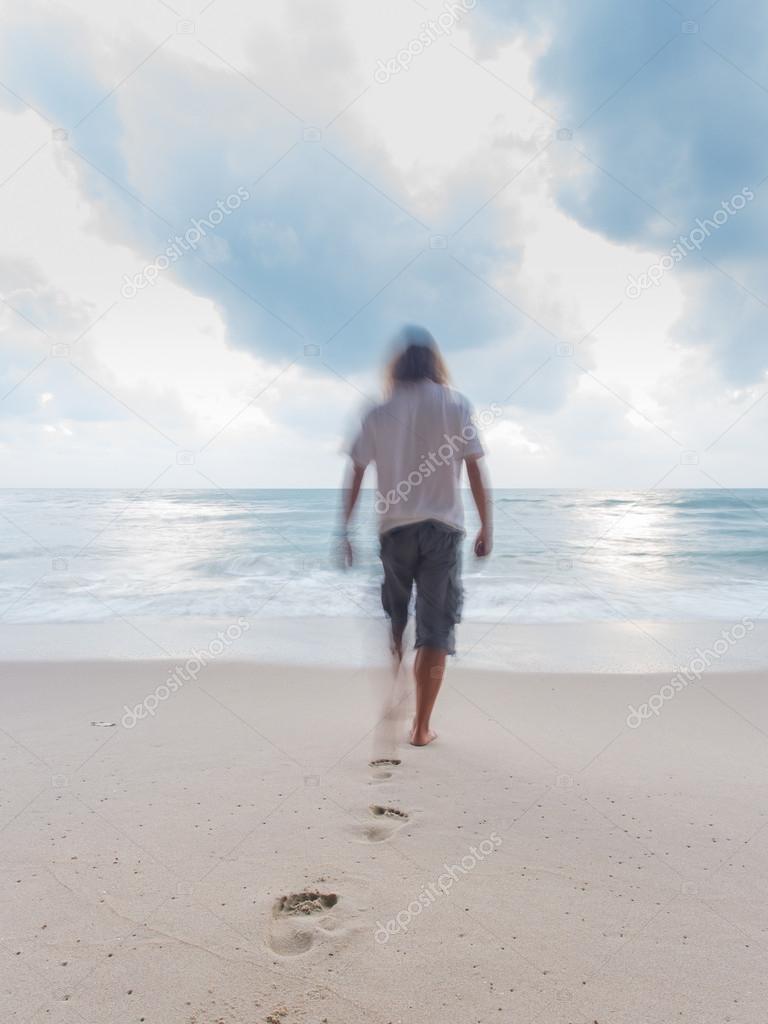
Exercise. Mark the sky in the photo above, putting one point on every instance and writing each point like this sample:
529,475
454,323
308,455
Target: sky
216,215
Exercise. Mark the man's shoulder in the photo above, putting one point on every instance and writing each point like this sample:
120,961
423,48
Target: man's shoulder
378,417
440,394
372,411
457,398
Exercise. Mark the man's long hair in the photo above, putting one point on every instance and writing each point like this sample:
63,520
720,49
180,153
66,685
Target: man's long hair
416,358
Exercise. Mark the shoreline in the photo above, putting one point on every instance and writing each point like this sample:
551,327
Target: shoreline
623,648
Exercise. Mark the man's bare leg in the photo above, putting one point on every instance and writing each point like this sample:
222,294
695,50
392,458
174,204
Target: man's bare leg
429,669
388,731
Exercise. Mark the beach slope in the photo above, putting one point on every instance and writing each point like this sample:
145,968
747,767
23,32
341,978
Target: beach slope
231,856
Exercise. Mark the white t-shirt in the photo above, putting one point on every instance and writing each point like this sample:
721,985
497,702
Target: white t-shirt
418,440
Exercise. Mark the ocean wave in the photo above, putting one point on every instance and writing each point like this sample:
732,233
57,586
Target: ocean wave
560,556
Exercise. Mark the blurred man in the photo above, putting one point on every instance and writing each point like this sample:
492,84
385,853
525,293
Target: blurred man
419,438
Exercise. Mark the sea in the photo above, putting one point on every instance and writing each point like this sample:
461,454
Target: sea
560,556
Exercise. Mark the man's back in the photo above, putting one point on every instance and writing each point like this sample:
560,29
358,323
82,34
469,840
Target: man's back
418,439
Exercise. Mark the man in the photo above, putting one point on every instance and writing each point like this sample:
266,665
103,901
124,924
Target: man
419,439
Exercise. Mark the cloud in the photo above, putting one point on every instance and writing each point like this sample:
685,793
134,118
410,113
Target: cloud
668,115
334,246
443,196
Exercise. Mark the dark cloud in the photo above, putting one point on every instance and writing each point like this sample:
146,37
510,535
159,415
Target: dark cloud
330,249
669,105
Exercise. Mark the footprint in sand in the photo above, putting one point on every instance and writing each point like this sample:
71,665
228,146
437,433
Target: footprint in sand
380,767
388,821
298,919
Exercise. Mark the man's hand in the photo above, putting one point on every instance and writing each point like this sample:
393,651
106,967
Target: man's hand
347,552
483,542
344,552
484,539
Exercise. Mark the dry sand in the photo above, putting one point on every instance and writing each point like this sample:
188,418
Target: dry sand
234,857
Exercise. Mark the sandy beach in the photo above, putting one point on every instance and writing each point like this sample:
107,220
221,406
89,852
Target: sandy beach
335,334
233,856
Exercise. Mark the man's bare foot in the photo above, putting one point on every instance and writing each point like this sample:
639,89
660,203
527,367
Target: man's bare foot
422,737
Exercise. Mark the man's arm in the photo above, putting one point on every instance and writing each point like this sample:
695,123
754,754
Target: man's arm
352,486
480,494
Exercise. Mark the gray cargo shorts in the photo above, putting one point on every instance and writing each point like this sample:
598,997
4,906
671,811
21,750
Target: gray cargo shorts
427,554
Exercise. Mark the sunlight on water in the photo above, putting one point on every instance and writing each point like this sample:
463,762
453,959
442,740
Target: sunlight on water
560,556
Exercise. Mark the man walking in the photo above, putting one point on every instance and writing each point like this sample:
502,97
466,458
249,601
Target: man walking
419,438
